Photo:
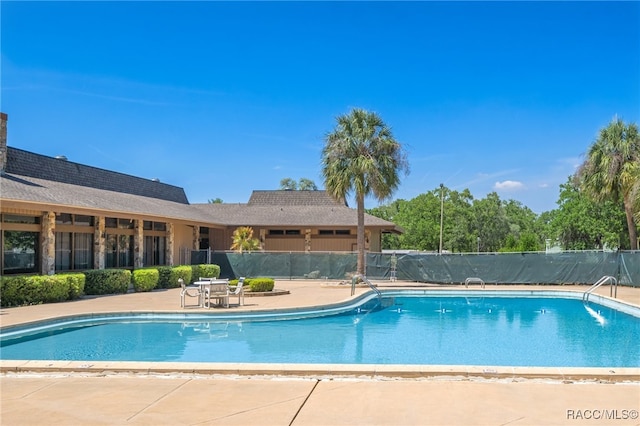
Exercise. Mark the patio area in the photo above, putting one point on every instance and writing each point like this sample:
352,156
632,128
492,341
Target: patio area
81,393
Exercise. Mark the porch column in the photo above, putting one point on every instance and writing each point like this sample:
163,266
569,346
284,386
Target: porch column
138,244
48,244
307,240
99,243
170,243
263,238
196,237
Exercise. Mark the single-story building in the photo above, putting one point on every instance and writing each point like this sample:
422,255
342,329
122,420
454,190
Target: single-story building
57,215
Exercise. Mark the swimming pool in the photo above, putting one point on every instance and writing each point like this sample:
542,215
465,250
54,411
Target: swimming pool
474,328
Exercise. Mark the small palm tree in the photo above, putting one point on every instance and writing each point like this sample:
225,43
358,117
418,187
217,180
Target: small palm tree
361,155
243,240
612,168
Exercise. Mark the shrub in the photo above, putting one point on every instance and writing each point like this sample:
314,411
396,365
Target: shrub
164,276
204,270
107,281
76,284
145,279
10,290
35,289
260,284
184,271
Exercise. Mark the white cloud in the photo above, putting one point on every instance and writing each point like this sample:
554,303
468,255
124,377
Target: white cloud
508,185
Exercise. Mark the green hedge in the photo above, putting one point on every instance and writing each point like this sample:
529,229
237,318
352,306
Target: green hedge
185,272
145,279
107,281
164,276
35,289
204,270
260,284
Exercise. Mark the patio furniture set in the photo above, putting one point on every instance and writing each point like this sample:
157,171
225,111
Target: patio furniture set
207,289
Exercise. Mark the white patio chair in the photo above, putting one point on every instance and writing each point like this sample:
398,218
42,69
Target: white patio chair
217,290
239,291
190,292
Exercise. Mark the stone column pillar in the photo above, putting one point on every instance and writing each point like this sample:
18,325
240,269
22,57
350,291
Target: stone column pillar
48,244
99,246
307,240
138,244
170,243
263,238
196,237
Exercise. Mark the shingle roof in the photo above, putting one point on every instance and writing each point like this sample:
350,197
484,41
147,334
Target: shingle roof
37,179
290,216
293,198
44,191
24,163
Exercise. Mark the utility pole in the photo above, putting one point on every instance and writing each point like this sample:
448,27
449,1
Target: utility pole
441,214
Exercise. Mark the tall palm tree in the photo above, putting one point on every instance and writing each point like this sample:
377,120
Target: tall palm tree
612,167
361,156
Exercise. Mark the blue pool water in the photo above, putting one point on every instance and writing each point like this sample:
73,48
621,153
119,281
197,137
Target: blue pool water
501,331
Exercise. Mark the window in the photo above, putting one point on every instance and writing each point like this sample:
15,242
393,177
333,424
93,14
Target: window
63,251
82,220
71,219
148,225
111,222
64,219
155,250
284,232
74,251
159,226
334,232
119,251
125,223
14,218
20,251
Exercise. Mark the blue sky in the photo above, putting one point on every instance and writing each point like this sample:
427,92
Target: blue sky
222,98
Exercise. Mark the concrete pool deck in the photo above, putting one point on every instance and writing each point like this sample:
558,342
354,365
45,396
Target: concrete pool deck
81,393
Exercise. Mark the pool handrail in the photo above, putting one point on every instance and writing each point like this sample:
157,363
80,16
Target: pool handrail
473,280
600,282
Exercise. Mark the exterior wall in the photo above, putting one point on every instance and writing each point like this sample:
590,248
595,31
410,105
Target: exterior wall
284,243
181,237
329,243
182,242
220,240
375,241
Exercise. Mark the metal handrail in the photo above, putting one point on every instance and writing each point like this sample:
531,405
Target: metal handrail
600,282
366,280
473,280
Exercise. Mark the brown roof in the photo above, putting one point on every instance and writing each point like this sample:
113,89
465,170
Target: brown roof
43,191
297,208
55,182
293,198
25,163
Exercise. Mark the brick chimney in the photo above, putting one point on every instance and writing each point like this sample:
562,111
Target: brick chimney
3,142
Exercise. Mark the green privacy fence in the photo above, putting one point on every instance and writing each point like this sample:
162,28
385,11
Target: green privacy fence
504,268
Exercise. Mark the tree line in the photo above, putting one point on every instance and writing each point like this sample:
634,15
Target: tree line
598,208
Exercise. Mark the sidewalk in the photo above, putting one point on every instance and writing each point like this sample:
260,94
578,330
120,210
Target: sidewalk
148,395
